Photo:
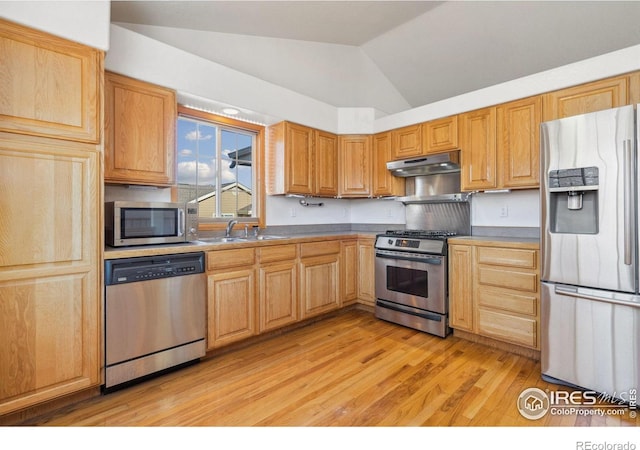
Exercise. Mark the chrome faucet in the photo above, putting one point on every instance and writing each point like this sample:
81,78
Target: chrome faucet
230,225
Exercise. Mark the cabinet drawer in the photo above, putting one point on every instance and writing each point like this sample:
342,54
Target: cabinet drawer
510,279
277,253
230,258
508,300
319,248
518,330
507,257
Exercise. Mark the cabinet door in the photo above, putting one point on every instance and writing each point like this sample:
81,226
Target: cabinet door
407,142
278,295
478,145
140,123
634,88
49,269
440,135
319,285
48,86
366,272
299,170
355,166
586,98
349,271
383,182
518,143
326,167
231,307
461,287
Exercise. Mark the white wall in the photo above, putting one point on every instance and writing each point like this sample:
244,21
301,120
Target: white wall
514,209
86,22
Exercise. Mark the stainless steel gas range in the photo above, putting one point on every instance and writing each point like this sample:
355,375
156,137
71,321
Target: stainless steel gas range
411,279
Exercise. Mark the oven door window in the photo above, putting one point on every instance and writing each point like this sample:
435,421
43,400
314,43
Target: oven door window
408,281
148,222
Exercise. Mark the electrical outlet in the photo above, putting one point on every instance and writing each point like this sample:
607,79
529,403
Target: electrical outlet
504,211
293,212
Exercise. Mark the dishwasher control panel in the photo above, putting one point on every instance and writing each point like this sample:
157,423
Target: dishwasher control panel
145,268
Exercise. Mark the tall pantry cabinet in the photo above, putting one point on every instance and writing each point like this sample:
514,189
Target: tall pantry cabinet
50,220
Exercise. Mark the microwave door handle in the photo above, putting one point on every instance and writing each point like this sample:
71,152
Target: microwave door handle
628,202
181,222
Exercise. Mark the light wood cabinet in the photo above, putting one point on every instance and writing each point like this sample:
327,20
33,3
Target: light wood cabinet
383,182
326,164
366,272
140,122
461,287
494,291
290,159
231,299
354,166
440,135
518,143
278,286
50,217
349,272
49,269
49,86
586,98
478,145
406,142
634,88
319,278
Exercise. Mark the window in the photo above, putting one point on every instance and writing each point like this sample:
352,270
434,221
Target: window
217,166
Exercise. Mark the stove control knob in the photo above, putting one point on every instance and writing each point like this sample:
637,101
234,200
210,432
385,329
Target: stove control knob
390,241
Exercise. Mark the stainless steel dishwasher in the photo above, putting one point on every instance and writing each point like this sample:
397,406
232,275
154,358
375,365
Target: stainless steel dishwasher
154,315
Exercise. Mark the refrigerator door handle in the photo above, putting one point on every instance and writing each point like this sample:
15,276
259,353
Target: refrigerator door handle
628,202
572,291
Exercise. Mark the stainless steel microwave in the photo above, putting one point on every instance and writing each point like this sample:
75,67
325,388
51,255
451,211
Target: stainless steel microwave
146,223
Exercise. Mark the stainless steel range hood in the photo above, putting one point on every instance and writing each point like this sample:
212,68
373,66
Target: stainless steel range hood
425,165
430,179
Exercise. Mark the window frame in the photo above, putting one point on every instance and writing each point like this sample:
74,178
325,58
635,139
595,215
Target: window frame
257,159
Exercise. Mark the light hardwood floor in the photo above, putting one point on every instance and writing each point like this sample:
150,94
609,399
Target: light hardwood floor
350,369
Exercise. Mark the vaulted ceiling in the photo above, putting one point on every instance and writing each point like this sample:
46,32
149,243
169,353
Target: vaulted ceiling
389,55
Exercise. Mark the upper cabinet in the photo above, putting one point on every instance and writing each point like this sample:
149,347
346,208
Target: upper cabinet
290,162
500,146
586,98
407,142
440,135
326,159
354,166
478,144
518,143
383,183
140,122
48,86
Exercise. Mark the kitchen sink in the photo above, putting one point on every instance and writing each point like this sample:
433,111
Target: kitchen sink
267,237
223,239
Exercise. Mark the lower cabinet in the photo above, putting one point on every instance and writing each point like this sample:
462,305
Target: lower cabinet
49,269
366,272
319,278
253,290
231,299
278,286
494,290
349,271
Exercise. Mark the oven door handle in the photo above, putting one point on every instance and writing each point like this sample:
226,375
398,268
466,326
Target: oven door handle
433,261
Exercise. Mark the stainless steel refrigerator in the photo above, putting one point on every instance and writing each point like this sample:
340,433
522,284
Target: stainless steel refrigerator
590,307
